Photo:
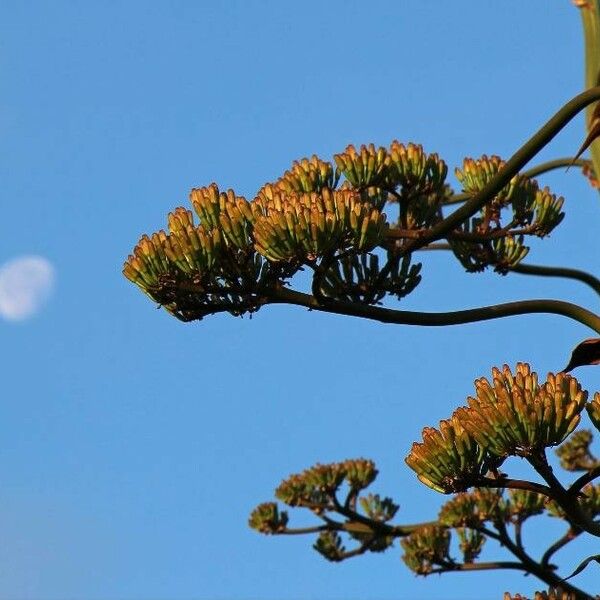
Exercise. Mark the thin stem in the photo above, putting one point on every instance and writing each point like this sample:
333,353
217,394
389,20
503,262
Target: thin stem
481,566
396,233
532,566
575,514
521,157
557,163
561,542
516,484
305,530
375,526
568,273
582,481
518,531
427,319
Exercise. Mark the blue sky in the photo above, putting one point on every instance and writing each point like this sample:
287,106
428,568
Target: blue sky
133,446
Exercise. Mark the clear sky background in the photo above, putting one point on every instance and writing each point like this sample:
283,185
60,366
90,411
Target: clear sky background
133,446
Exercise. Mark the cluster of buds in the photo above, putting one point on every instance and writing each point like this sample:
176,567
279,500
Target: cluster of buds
448,459
588,171
426,547
552,594
523,504
470,543
503,252
533,211
406,167
358,278
472,509
196,270
575,454
588,499
302,227
513,415
240,251
400,173
309,175
378,509
329,545
593,410
315,487
267,518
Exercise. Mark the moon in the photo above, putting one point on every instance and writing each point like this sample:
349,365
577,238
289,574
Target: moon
26,283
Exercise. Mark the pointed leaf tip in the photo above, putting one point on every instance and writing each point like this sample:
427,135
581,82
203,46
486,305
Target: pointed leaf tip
594,132
585,353
583,565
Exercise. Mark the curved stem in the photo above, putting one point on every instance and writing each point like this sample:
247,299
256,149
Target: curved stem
582,481
568,273
561,542
516,484
519,159
428,319
557,163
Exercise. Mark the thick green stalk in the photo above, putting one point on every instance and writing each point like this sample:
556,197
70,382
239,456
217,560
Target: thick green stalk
590,17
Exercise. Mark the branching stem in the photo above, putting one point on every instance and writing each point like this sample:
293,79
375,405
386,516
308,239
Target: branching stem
519,159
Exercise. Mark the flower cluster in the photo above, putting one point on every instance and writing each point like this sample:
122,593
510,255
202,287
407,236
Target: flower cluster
425,547
360,279
302,227
448,459
331,217
550,595
199,269
513,415
315,487
492,238
471,509
575,454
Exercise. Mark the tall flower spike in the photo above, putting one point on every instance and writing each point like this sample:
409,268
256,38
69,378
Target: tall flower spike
515,415
449,459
